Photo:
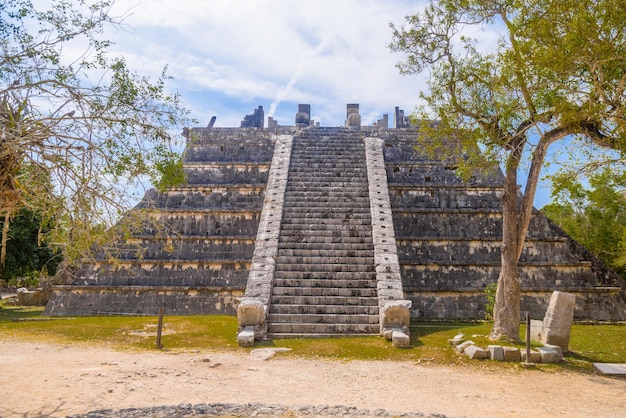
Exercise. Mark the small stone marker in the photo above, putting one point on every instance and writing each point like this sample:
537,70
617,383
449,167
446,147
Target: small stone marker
549,355
461,347
511,354
496,352
400,340
475,352
536,329
611,369
557,323
246,338
535,357
555,348
458,339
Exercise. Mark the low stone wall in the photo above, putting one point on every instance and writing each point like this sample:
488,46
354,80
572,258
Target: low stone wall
603,304
142,300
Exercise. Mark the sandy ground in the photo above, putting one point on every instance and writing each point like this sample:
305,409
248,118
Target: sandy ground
40,379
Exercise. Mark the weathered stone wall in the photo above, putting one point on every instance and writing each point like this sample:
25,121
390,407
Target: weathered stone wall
591,304
142,300
448,237
196,252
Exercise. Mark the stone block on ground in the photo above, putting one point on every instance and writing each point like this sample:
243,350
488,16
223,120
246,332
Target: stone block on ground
555,348
458,339
496,352
400,340
250,312
557,323
461,347
549,355
395,314
27,297
611,369
535,356
511,354
475,352
246,338
536,328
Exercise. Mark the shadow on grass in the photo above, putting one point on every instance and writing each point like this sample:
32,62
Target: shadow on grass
16,313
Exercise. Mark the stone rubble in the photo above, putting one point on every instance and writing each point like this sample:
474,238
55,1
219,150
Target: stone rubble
248,410
546,354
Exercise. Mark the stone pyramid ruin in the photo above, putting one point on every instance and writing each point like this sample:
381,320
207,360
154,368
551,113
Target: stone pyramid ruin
314,231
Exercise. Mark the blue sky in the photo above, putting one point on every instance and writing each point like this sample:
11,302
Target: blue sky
228,57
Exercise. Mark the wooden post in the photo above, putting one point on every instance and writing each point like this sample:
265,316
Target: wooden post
528,338
159,329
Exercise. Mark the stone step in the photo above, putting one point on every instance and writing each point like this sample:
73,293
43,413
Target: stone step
324,309
324,300
338,193
348,177
317,246
314,292
306,261
324,251
326,267
347,228
325,275
326,237
325,282
315,184
319,204
329,212
290,222
281,318
344,168
301,330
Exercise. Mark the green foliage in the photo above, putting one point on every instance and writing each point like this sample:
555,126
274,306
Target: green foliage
557,70
594,216
490,292
81,130
27,255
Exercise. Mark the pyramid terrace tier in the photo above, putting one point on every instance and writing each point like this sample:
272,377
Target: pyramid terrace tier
164,273
463,304
435,174
445,197
467,224
229,145
183,247
210,197
455,276
438,250
142,300
201,223
226,173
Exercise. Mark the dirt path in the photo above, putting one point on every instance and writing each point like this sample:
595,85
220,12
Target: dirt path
44,379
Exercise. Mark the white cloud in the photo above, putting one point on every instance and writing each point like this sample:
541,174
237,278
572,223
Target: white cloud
328,53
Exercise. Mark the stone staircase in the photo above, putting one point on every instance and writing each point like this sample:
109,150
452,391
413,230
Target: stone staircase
325,279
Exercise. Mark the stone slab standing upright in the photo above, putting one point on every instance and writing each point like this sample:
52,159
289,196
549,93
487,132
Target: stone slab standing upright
557,323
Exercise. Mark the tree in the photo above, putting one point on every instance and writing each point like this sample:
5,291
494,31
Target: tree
594,216
558,71
26,253
78,131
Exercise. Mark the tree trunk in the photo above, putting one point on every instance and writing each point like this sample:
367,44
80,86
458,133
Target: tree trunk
515,222
506,311
5,236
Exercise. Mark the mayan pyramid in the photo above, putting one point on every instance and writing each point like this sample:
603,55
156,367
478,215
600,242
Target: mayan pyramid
321,228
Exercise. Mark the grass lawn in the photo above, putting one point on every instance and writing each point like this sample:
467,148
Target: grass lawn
429,341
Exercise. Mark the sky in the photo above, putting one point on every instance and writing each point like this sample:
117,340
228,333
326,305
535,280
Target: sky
227,57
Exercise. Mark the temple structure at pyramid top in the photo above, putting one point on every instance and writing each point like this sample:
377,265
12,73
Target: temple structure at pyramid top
324,231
